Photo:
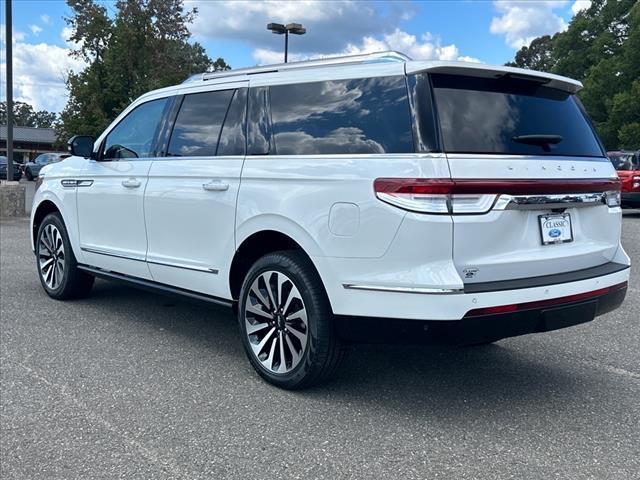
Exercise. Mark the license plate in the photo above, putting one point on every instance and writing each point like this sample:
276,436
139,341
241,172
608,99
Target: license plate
555,228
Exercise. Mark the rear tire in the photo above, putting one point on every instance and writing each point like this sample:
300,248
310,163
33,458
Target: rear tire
57,266
286,322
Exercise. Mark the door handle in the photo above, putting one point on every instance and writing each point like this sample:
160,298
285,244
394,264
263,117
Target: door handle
131,183
216,186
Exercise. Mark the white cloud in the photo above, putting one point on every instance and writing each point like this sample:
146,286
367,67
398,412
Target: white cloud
426,48
35,29
333,28
18,36
45,19
330,25
521,21
39,71
580,5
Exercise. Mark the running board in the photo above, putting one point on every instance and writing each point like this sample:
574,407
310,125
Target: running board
152,286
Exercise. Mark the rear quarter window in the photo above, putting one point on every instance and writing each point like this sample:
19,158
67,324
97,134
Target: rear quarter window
505,115
368,115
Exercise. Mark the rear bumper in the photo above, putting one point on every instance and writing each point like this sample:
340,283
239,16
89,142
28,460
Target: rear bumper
483,328
631,199
409,303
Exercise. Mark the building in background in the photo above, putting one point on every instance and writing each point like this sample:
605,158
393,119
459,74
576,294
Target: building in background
28,142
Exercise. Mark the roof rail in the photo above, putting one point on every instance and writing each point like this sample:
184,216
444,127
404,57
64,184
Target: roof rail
378,57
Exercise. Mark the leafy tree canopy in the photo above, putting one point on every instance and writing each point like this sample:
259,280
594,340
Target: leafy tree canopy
25,116
144,46
601,48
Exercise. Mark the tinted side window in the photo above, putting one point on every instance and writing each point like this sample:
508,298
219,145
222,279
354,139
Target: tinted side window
232,139
42,159
422,113
198,124
258,127
342,116
134,136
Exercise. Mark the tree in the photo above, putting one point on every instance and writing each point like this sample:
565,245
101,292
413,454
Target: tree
25,116
537,56
145,46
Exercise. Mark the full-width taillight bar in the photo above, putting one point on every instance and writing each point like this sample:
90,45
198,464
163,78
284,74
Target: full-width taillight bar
478,195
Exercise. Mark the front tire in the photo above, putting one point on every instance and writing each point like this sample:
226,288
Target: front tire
28,174
57,266
286,322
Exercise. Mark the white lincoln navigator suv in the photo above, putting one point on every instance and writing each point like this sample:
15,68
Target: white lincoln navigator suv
369,197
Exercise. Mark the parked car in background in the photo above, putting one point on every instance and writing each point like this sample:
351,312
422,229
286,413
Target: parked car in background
17,173
345,199
628,166
32,169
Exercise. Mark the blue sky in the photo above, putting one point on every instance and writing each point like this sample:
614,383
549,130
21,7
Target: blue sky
471,30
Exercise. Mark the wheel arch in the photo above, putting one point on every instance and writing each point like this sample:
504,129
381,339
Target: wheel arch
43,209
253,247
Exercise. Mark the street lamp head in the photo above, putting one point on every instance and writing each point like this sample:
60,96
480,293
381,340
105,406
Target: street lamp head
296,29
277,28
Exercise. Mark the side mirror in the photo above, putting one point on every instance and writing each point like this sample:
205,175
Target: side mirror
81,145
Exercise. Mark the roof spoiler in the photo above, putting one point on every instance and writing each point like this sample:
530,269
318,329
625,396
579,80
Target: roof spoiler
489,71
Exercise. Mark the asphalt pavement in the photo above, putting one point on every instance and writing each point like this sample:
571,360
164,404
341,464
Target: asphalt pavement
129,384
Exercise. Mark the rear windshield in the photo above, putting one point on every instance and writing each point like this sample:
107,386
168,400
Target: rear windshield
510,116
624,161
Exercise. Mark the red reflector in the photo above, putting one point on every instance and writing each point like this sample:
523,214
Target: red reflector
518,307
510,187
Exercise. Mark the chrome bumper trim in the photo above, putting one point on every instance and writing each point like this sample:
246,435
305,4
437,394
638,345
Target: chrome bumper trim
420,290
537,202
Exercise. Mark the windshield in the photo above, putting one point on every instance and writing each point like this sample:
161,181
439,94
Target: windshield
510,116
624,161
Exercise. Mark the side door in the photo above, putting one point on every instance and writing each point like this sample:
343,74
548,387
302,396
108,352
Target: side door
111,193
190,199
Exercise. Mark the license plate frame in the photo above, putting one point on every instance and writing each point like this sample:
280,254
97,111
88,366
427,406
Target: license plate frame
558,232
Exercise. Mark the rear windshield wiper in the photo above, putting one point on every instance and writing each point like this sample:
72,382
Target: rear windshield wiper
544,141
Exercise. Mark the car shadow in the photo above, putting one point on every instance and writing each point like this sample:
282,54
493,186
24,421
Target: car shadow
415,380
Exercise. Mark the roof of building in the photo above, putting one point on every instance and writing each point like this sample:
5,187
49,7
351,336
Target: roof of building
29,134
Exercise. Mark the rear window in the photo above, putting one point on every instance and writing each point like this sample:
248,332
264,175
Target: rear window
510,115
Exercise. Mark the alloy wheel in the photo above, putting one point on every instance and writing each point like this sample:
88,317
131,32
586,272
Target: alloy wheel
276,322
51,256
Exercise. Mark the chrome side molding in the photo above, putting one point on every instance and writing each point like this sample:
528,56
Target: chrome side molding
140,258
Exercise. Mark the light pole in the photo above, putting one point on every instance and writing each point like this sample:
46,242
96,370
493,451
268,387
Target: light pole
9,46
279,29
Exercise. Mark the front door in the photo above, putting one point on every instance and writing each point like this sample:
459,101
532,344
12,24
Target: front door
111,194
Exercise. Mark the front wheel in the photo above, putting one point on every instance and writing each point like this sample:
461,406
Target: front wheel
28,174
286,322
57,266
